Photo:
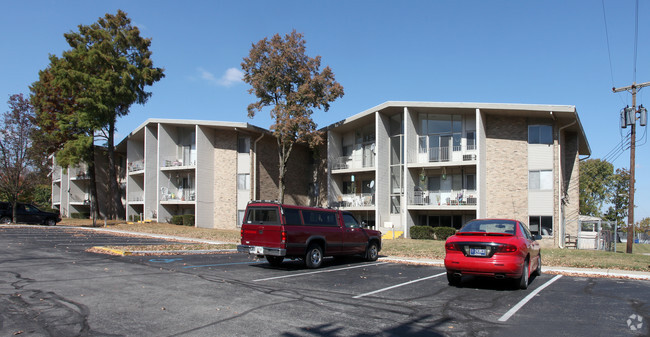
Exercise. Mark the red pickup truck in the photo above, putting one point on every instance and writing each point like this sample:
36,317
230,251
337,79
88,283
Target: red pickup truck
277,231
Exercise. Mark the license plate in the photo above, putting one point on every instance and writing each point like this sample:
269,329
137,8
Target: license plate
477,252
257,250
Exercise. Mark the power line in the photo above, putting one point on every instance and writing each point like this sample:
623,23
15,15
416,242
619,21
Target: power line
636,38
609,52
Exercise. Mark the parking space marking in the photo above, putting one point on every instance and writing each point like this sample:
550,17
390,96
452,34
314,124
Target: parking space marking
399,285
523,302
318,272
223,264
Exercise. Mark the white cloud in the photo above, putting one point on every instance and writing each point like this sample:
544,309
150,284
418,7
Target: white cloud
230,77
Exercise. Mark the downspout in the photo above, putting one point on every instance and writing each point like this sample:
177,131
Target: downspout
559,184
254,163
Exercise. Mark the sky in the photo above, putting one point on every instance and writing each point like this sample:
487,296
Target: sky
530,52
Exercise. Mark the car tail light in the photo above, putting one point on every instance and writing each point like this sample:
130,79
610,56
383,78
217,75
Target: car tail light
450,246
284,237
506,248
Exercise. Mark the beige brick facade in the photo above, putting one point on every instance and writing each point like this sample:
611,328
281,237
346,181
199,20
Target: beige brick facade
225,179
506,168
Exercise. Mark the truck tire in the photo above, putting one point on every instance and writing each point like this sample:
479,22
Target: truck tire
314,256
275,261
5,220
372,251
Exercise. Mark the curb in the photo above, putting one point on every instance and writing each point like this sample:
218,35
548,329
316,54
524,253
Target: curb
101,249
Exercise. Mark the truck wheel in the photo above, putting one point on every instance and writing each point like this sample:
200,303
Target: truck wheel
314,256
372,252
5,220
275,261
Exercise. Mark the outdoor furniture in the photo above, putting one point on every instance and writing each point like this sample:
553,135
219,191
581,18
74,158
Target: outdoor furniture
571,241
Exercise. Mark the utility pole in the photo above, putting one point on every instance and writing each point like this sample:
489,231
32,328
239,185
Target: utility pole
633,89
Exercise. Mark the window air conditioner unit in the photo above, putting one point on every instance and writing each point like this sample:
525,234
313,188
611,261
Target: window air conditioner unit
467,157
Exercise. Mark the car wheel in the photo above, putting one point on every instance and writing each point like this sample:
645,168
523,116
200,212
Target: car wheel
314,256
5,220
523,280
372,252
453,280
50,222
275,261
538,271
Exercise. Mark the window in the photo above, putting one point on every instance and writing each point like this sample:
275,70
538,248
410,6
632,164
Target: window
542,225
292,216
470,182
319,218
243,181
540,180
266,216
540,134
471,140
240,217
395,207
243,144
350,221
348,187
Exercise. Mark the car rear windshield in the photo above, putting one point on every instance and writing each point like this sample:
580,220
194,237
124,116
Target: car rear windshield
262,215
490,226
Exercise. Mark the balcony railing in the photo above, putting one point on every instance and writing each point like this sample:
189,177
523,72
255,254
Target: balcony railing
176,162
355,200
85,199
136,196
137,165
181,194
354,162
443,198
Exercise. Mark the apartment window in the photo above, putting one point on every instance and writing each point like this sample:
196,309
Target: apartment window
348,187
471,140
243,181
540,180
470,182
542,225
540,134
243,144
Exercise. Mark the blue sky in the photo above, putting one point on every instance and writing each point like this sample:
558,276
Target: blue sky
536,52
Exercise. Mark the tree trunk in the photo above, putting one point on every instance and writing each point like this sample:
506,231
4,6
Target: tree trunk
114,187
94,210
284,151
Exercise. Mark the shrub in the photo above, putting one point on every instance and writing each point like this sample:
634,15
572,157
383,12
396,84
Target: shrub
422,233
188,220
83,215
442,233
135,217
177,220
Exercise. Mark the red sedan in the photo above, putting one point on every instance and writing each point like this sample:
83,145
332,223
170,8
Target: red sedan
498,248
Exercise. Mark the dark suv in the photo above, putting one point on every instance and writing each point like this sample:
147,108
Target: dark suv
27,213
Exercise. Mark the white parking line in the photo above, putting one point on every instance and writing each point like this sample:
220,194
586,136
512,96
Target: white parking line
318,272
399,285
523,302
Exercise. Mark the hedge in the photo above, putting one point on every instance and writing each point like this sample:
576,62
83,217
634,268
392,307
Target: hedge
422,233
188,220
83,215
177,220
442,233
135,217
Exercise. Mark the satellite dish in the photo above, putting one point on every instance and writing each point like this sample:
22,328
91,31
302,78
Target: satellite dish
372,184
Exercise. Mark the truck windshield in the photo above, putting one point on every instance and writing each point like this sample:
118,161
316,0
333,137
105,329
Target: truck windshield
262,215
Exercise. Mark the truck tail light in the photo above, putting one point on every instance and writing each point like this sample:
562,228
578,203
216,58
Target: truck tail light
506,248
241,234
284,236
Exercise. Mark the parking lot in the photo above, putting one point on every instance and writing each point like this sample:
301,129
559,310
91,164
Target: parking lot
49,285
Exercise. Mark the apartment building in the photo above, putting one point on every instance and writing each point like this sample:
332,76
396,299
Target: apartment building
71,187
402,164
207,169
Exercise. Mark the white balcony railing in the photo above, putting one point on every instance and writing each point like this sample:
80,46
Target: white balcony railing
136,165
433,154
176,162
355,162
181,194
443,198
355,200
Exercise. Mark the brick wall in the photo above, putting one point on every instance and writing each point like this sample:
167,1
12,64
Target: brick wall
571,173
298,178
225,179
507,167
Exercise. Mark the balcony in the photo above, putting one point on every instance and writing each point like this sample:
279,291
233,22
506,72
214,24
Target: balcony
171,163
180,195
136,197
136,165
80,199
80,175
451,198
350,201
440,154
355,162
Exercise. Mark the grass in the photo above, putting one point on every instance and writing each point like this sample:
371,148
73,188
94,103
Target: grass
424,249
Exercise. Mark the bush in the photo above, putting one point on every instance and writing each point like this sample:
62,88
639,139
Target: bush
422,233
442,233
135,217
177,220
188,220
83,215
